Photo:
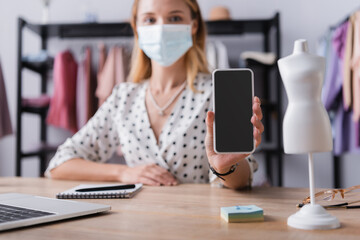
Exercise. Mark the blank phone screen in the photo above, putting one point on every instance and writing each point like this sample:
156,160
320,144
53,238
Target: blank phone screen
233,111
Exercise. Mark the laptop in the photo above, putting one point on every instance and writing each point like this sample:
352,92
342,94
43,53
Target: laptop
21,210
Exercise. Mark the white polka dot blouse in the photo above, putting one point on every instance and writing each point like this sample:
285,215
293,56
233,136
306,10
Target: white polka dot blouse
123,120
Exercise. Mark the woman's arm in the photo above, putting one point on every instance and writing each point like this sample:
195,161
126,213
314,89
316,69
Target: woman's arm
80,169
96,141
240,178
222,163
84,156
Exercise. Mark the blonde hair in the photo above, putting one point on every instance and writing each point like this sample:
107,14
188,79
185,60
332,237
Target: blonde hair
195,58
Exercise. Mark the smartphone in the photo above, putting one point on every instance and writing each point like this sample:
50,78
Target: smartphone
233,99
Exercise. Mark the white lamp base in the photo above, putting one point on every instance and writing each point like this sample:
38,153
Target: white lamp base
311,217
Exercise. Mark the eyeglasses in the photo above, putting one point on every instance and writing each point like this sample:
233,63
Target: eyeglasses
334,198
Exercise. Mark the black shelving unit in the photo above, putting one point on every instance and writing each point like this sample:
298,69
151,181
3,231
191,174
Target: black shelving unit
45,32
103,30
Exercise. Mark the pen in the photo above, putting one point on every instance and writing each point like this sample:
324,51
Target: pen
106,188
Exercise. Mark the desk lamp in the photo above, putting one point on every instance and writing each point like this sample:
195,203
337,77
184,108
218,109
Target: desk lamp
306,125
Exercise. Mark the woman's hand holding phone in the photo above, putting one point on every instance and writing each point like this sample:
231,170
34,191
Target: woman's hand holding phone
222,162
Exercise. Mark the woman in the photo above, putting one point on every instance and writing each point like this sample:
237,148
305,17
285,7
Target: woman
158,118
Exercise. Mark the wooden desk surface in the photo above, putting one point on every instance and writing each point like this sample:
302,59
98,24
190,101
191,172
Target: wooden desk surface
189,211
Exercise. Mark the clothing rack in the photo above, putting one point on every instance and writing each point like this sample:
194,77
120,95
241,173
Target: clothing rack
263,27
337,158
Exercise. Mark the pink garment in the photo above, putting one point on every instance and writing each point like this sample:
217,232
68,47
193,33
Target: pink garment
102,58
62,112
42,101
81,96
5,122
86,102
356,69
115,71
101,64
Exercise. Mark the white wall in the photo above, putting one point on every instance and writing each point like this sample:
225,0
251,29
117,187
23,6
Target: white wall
299,19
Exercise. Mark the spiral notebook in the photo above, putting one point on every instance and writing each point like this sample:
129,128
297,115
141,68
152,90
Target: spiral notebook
101,191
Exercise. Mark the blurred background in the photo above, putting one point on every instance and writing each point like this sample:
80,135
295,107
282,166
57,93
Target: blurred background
311,20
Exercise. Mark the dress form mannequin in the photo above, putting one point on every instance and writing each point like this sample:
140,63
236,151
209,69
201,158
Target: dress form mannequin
306,126
306,123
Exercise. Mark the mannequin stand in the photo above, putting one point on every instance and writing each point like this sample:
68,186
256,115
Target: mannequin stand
312,216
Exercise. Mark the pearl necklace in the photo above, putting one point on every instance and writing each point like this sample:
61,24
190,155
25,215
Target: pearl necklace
171,100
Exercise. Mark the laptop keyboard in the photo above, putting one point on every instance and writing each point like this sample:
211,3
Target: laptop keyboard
10,213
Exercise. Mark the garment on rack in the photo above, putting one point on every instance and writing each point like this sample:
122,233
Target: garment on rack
102,57
5,122
101,64
348,130
216,54
86,102
356,75
92,102
356,68
222,55
347,94
211,55
333,82
81,94
62,111
344,129
114,71
332,89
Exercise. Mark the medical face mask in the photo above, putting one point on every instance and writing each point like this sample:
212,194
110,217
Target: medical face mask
165,43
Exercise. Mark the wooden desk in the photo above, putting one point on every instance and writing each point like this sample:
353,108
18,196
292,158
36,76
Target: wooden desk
181,212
